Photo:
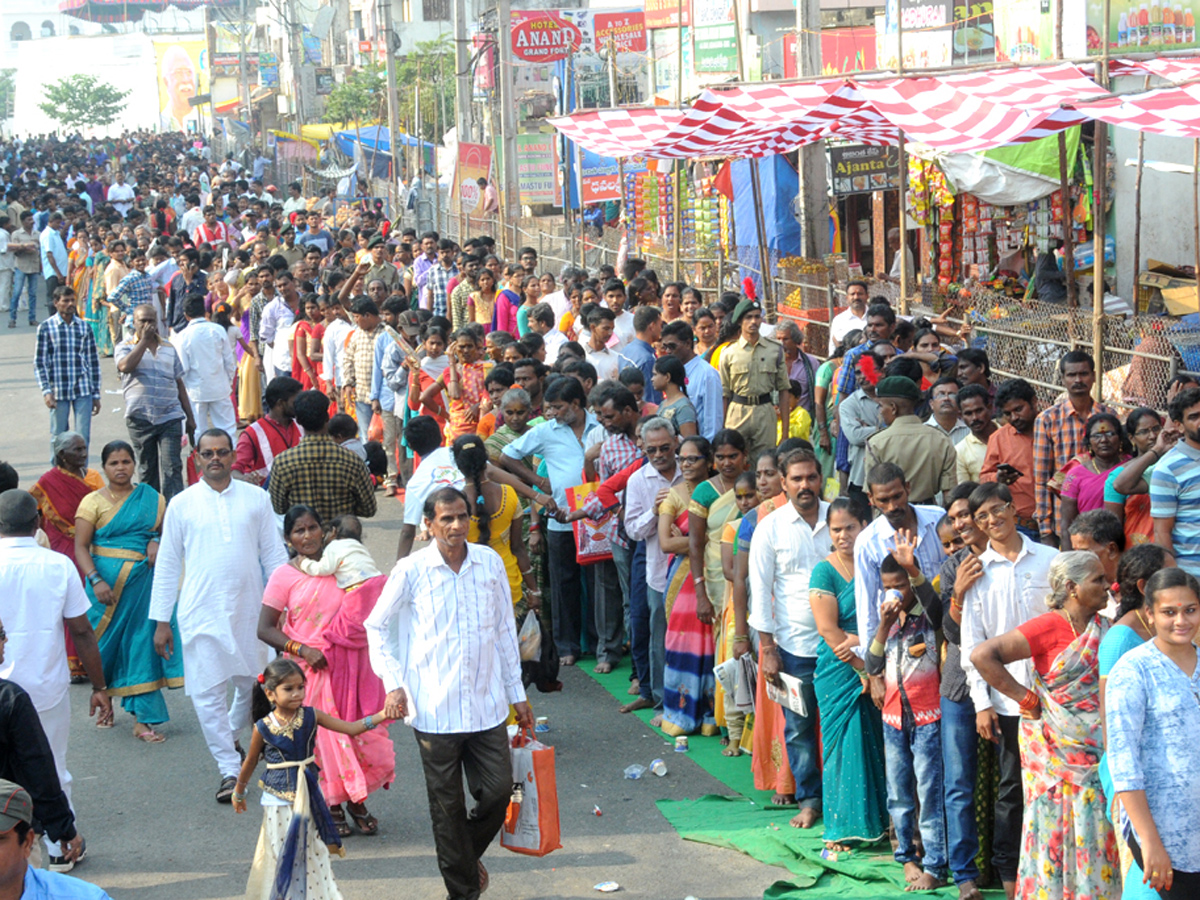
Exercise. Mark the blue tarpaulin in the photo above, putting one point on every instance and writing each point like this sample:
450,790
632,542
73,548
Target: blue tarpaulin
375,137
780,184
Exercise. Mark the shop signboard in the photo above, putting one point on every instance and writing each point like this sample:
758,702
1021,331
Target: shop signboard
1025,30
842,50
1141,27
666,13
544,35
537,169
600,176
974,32
474,162
861,169
626,29
324,76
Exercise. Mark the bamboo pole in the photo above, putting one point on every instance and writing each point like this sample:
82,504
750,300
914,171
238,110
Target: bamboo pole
1137,207
764,256
1196,202
1064,182
1100,180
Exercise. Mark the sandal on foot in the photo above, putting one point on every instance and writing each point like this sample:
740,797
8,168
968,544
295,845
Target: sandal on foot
225,791
149,736
363,821
340,825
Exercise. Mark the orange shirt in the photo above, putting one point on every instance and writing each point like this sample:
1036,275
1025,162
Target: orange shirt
1008,445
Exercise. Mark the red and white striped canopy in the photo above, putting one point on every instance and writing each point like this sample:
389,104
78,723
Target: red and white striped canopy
956,113
1173,110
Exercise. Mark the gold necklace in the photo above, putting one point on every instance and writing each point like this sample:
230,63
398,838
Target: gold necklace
1070,621
1145,624
840,570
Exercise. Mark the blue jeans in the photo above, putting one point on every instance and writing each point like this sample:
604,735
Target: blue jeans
59,419
960,761
800,732
657,612
632,565
364,418
914,771
29,283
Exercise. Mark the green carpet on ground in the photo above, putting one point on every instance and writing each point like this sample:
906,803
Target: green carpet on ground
749,825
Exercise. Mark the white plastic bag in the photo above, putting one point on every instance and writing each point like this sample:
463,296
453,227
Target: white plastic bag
529,639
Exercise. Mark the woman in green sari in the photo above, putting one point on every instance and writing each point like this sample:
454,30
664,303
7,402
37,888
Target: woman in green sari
854,788
713,504
116,541
96,312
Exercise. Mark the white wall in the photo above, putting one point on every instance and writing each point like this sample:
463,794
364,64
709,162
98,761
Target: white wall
1167,220
124,60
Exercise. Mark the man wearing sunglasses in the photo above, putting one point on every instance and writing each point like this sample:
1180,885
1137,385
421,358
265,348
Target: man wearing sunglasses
1007,588
221,537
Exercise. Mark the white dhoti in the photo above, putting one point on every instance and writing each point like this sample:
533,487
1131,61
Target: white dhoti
215,414
56,722
222,724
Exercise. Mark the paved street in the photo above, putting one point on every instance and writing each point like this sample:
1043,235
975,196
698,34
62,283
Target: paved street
154,831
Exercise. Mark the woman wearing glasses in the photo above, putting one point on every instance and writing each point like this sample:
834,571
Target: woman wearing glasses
116,541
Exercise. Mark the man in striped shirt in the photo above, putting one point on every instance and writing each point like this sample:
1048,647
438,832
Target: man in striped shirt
1175,486
444,641
1058,434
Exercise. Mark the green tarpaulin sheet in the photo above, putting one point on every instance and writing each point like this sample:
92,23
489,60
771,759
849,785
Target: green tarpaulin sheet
749,825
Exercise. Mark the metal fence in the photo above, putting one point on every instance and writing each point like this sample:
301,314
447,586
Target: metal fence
1023,338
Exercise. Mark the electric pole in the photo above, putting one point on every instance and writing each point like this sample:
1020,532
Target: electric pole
389,64
508,121
814,192
464,90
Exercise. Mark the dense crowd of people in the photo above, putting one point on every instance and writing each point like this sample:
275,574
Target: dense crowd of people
928,606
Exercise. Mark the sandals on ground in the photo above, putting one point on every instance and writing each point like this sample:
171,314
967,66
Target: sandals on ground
339,821
363,821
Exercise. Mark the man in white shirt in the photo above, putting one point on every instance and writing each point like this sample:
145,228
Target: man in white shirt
437,470
854,317
644,491
333,347
1005,588
894,244
40,590
220,542
541,322
295,201
8,264
605,359
121,195
443,640
208,369
786,546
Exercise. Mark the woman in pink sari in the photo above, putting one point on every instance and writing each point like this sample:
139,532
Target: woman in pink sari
319,624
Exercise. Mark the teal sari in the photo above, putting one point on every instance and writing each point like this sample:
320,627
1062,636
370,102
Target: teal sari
854,788
124,631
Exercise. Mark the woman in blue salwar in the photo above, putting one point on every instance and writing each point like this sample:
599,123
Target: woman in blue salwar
116,541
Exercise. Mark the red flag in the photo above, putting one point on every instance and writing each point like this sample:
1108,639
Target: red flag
723,182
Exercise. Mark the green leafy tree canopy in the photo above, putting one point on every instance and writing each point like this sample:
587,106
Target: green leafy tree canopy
82,101
359,97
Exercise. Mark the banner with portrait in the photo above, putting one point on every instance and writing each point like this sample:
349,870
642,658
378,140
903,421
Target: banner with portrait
183,72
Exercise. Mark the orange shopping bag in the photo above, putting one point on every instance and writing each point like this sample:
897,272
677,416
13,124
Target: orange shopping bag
531,826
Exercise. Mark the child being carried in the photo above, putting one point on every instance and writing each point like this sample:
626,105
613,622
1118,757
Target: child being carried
344,556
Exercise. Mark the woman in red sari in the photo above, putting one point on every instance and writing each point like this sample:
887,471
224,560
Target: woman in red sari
306,345
58,493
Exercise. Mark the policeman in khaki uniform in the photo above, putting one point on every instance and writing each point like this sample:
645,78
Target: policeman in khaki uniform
751,368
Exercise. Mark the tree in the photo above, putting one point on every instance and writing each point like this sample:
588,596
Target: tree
430,69
359,97
82,101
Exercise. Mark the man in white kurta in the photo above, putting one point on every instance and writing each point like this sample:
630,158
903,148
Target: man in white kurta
220,543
